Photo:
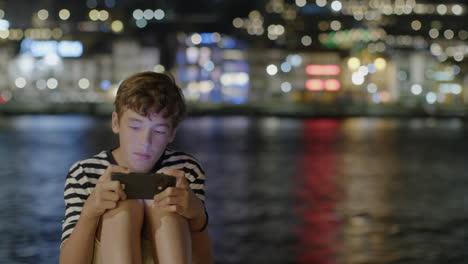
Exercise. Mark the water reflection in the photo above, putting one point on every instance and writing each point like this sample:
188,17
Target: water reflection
279,190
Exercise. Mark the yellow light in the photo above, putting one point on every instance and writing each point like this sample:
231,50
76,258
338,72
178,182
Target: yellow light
117,26
64,14
416,25
354,63
42,14
57,33
380,64
103,15
94,15
4,34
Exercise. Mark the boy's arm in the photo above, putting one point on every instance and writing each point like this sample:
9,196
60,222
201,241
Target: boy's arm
79,247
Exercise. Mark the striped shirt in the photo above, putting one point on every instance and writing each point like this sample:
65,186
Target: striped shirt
83,176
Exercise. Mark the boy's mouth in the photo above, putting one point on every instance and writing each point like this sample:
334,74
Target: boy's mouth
143,156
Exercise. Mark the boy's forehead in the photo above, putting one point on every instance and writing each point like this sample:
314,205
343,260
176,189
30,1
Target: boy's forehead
153,116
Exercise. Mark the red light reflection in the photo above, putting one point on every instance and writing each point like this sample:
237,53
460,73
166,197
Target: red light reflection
318,194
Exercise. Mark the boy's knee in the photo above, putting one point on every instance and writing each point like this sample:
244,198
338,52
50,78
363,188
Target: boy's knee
132,208
159,217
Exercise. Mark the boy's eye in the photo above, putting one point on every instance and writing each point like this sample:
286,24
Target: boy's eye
160,132
134,127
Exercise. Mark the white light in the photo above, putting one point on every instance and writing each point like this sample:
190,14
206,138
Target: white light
362,70
431,98
306,40
42,14
372,68
52,83
448,34
372,88
457,10
234,78
148,14
272,69
159,68
321,3
64,14
416,89
442,9
238,22
336,5
335,25
301,3
141,23
196,39
52,59
433,33
138,14
20,82
286,87
456,89
357,78
159,14
285,67
4,24
83,83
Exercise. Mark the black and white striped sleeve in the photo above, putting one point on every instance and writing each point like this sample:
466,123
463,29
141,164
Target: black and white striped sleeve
75,194
194,172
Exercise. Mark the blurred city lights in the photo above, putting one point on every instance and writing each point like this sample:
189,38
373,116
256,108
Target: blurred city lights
380,64
271,69
42,14
159,14
83,83
314,85
286,87
117,26
306,40
416,89
332,85
20,82
4,24
93,15
285,66
301,3
372,88
141,23
336,5
52,83
148,14
159,68
64,14
353,63
431,98
105,85
137,14
316,69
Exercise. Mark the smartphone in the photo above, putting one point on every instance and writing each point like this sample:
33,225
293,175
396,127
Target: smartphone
143,185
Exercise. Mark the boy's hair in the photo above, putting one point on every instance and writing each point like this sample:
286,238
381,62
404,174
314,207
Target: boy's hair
150,92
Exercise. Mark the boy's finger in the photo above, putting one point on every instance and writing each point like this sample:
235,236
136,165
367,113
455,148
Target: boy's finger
179,174
112,168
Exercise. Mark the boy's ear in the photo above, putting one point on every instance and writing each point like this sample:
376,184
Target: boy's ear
115,122
174,130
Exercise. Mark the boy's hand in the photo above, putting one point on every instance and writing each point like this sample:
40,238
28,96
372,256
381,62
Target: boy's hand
106,193
180,199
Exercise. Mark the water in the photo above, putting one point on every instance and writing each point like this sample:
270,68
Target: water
279,190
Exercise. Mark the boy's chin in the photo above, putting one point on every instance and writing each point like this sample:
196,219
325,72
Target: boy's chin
140,168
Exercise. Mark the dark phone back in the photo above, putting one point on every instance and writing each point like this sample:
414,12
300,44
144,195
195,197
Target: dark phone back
143,185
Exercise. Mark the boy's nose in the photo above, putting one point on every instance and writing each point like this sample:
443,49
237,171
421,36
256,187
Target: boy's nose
146,137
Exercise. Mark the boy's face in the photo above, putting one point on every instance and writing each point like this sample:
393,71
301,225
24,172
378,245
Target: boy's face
142,139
